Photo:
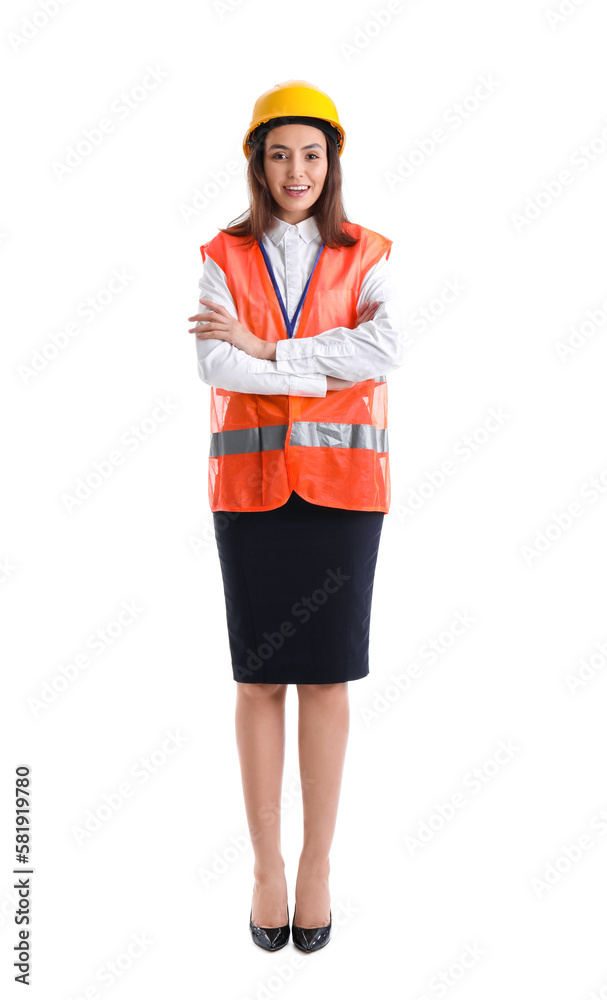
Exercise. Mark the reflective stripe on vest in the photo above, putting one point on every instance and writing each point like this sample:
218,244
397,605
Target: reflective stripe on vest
304,433
239,442
321,435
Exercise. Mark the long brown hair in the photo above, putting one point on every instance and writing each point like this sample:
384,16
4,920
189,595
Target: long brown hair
329,212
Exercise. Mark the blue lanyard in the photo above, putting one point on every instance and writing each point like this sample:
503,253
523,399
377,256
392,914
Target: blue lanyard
290,323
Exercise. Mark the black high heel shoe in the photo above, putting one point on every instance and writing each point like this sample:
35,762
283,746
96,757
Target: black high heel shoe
270,938
311,938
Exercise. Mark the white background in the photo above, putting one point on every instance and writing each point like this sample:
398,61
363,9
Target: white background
473,209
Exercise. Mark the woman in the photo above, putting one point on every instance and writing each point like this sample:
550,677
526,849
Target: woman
298,331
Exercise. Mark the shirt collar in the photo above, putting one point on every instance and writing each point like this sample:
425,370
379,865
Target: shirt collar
308,230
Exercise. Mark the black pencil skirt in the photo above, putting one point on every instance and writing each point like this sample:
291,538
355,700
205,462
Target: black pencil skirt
298,583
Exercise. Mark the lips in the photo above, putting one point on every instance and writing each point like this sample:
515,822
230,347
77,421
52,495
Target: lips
298,193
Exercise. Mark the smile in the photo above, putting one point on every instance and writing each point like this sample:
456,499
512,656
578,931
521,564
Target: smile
297,190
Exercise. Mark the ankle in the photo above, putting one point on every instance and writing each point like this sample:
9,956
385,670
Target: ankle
264,872
314,864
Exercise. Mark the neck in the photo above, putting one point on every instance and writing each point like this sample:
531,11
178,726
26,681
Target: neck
292,217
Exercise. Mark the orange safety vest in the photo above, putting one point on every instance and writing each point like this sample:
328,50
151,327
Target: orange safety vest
332,450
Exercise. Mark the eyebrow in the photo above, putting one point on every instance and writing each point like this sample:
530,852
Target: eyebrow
312,145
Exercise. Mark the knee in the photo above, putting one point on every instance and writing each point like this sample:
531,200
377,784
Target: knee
259,692
339,690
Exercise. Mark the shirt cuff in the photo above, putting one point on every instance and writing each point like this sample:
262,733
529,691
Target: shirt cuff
296,356
300,383
307,385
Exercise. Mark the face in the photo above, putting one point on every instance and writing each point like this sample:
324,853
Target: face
295,156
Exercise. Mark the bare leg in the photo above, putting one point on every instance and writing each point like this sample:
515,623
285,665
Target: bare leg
324,720
260,738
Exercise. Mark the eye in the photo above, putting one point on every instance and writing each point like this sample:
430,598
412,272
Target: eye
274,155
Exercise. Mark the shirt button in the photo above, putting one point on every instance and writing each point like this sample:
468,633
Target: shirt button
293,229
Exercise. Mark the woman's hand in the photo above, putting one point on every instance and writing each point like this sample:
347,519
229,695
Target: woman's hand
367,312
218,324
338,383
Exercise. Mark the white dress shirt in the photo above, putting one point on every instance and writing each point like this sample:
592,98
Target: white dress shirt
302,364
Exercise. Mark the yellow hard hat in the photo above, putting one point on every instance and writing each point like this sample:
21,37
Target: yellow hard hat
295,97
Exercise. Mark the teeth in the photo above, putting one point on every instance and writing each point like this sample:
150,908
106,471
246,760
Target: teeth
302,187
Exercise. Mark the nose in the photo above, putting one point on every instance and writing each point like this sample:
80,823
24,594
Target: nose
297,170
